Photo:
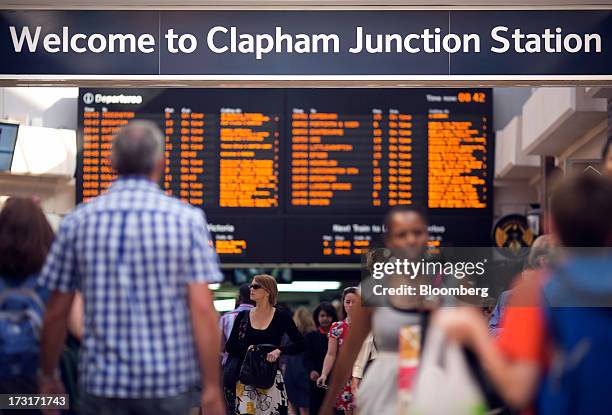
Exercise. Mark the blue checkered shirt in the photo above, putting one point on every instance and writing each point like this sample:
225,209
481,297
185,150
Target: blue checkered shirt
132,252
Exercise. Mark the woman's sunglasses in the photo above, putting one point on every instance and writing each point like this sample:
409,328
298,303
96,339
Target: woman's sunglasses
254,286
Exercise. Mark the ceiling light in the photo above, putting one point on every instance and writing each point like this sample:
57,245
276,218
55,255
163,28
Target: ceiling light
309,286
225,305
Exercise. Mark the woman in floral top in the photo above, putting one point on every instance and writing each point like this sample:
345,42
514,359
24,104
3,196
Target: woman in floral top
337,335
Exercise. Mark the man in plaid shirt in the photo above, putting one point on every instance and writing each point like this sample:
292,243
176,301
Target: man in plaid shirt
142,261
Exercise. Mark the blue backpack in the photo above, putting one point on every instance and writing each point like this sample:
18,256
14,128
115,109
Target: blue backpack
21,314
579,319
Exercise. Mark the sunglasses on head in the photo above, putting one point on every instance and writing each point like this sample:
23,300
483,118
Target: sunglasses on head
255,286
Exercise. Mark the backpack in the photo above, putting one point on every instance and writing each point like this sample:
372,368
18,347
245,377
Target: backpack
21,314
578,378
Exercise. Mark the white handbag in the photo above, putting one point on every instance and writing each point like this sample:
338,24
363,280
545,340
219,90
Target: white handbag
444,383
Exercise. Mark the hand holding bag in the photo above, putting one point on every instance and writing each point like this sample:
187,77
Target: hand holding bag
444,383
256,370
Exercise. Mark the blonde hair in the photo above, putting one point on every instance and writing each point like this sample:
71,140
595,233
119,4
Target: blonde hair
303,320
268,283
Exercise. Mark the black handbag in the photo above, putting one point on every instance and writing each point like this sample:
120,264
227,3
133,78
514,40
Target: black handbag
231,369
256,370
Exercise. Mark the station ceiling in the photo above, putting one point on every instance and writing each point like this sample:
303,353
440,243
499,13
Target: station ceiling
181,4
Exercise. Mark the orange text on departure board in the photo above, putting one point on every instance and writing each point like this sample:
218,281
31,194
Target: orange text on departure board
248,154
457,156
316,174
99,127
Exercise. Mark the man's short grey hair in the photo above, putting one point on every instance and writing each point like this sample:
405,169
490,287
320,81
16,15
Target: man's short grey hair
137,148
542,251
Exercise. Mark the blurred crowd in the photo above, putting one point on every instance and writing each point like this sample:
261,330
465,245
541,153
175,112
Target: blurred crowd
115,311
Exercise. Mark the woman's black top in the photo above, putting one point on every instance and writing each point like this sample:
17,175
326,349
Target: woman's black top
316,349
281,324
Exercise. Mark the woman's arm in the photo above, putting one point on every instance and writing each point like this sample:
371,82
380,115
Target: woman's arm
310,359
515,379
361,362
363,357
328,362
362,324
297,340
75,318
309,353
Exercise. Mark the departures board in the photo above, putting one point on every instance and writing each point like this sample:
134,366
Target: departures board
291,176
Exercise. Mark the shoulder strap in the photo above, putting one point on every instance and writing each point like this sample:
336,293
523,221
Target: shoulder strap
425,316
26,292
31,282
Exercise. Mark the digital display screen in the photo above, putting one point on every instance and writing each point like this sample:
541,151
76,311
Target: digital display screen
306,175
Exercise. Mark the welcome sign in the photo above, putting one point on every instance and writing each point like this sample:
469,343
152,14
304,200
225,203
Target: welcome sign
338,44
